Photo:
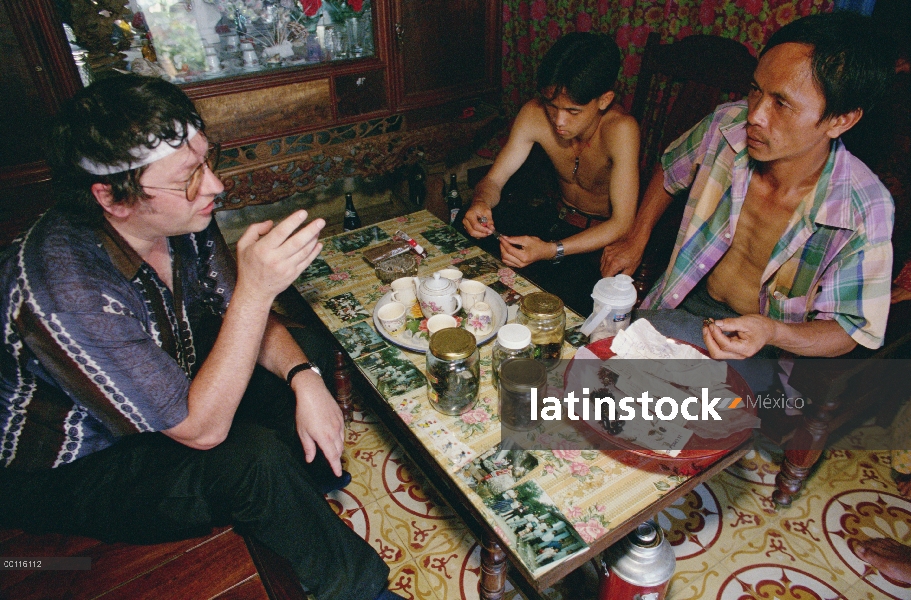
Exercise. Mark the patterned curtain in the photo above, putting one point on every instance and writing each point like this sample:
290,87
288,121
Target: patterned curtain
530,27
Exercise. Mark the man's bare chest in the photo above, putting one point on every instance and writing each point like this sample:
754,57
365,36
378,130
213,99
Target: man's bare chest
587,167
760,226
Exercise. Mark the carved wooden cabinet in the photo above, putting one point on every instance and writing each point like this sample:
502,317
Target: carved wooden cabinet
430,57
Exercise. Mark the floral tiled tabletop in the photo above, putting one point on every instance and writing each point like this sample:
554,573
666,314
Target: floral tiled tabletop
594,490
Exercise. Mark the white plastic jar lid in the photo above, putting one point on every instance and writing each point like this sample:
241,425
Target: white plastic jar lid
617,291
514,336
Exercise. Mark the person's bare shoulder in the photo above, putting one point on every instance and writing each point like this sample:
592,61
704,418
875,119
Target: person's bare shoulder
619,126
532,120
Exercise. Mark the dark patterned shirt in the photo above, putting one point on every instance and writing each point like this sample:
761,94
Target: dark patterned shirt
94,345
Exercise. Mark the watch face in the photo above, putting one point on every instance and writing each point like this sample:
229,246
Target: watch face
316,370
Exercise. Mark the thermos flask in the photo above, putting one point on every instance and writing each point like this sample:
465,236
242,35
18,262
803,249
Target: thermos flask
638,567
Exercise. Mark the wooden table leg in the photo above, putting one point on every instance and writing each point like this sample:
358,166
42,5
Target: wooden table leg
493,570
343,386
802,452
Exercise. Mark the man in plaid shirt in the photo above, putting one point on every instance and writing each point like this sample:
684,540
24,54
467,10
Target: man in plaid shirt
785,241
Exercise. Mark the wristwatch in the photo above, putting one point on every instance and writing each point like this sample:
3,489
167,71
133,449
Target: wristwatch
559,255
302,367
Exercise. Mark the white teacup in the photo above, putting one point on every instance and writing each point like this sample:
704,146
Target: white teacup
404,290
480,319
392,317
452,274
471,291
437,322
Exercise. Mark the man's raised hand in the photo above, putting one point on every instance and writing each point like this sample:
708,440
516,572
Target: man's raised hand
270,257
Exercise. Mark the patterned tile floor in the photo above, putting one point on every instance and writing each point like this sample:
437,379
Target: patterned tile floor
729,540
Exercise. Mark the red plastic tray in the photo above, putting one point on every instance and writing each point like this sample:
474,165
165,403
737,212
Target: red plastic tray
698,453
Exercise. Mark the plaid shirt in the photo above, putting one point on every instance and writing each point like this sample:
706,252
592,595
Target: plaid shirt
834,260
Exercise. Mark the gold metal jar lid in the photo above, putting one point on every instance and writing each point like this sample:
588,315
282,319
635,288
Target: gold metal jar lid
452,343
541,304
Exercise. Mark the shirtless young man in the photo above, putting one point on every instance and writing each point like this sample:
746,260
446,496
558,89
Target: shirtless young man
593,145
786,236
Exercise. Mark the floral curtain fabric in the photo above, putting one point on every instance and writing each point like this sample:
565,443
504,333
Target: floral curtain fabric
531,26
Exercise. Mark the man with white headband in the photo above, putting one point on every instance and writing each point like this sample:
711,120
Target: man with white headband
146,391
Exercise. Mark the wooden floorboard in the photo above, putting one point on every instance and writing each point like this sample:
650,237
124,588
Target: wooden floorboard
215,566
13,583
202,572
249,589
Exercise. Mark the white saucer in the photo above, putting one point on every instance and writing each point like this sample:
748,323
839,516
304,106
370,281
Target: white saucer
420,344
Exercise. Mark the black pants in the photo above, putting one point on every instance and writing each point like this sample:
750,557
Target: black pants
148,488
573,278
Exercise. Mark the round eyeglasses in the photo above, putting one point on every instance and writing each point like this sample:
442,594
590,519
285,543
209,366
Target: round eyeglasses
213,153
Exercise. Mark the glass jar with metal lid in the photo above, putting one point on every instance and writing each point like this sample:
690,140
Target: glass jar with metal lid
453,371
518,377
545,317
513,341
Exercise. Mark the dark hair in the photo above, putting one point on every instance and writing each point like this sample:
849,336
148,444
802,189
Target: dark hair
583,65
893,17
102,123
849,64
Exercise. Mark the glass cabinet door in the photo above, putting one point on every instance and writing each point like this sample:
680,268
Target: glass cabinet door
200,40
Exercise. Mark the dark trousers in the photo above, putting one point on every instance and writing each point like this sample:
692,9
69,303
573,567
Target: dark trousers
148,488
573,278
685,323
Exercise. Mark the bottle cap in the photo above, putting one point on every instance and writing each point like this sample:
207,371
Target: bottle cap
617,291
645,535
453,343
541,304
514,336
522,374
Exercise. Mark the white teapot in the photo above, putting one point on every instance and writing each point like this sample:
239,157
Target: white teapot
439,296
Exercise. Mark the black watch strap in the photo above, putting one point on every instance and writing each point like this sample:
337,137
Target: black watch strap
301,367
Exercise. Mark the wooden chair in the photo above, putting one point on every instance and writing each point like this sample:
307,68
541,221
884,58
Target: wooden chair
678,85
844,392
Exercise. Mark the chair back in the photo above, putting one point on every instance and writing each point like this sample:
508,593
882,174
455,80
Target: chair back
678,85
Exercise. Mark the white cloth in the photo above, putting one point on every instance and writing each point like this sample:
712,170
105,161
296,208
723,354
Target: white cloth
143,155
